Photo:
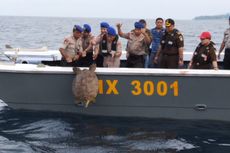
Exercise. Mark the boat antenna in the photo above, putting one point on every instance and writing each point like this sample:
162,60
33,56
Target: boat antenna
2,53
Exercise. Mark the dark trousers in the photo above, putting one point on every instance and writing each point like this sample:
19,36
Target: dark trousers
100,60
204,66
169,61
227,59
66,64
136,61
86,61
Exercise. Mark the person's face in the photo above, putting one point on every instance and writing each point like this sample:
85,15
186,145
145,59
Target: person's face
144,24
159,24
205,41
137,32
77,34
169,28
110,38
85,34
103,30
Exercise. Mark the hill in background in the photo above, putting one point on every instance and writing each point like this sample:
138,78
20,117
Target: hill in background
212,17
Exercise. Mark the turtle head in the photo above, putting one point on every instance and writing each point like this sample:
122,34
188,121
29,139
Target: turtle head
76,70
92,67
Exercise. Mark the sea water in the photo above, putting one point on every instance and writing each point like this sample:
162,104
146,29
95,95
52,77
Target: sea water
36,32
32,131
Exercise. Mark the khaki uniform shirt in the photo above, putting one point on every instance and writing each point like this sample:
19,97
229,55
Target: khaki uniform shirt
72,46
87,41
136,44
227,38
148,32
151,38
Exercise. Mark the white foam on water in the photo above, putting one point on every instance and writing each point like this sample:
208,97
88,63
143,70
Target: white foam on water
224,144
2,104
7,145
113,138
44,129
211,140
87,149
173,144
206,142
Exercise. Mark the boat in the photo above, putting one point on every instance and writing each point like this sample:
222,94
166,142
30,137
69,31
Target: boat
123,92
29,55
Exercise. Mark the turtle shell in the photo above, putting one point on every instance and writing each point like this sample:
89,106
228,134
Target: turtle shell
85,84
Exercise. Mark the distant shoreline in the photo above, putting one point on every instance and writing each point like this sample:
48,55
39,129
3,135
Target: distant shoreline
213,17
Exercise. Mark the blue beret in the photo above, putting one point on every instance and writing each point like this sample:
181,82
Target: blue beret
111,31
138,25
87,28
104,25
77,28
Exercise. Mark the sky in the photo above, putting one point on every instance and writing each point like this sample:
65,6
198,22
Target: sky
148,9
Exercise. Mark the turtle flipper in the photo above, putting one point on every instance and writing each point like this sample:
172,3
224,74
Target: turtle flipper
94,100
87,103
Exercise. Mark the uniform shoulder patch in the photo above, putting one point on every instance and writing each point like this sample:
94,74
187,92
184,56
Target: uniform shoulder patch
181,38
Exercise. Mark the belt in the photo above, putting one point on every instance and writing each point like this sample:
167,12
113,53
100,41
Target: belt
106,54
135,55
165,54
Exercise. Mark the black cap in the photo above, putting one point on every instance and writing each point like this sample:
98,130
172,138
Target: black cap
169,22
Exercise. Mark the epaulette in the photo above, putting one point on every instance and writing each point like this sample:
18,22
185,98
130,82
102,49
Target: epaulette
179,33
66,41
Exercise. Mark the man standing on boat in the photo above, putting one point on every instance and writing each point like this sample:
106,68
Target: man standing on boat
157,34
204,56
98,50
147,48
71,48
111,48
226,44
171,48
86,58
136,46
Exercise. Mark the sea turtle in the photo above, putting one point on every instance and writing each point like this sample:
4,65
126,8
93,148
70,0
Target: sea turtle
85,85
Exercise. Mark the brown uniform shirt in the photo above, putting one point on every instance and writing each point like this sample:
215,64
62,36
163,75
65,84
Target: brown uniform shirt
171,42
204,56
